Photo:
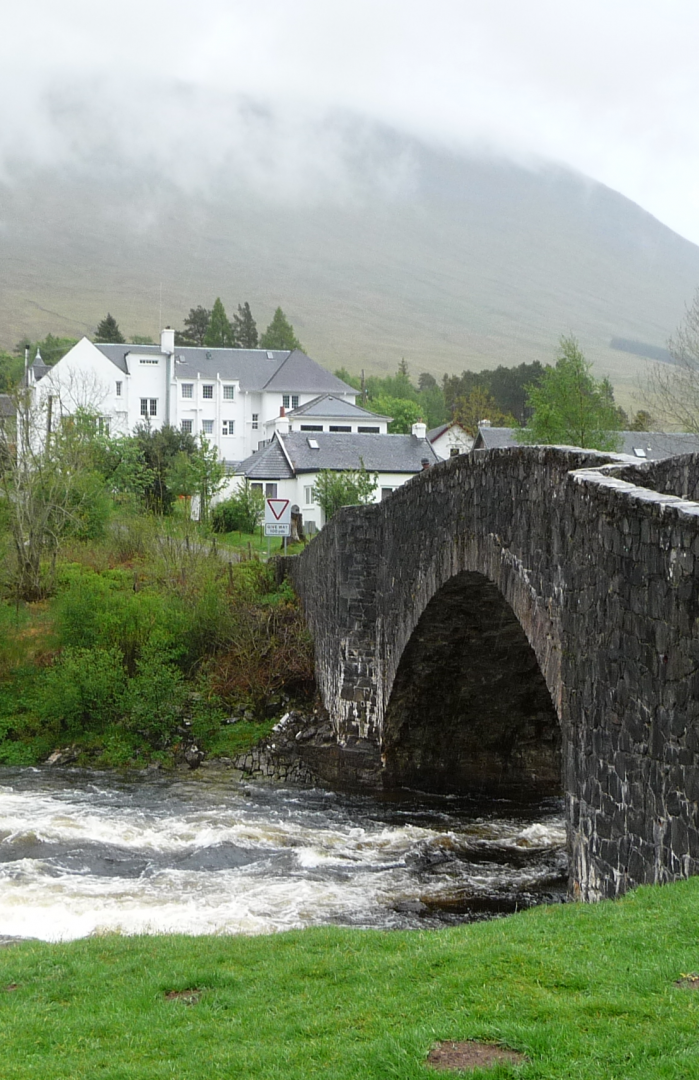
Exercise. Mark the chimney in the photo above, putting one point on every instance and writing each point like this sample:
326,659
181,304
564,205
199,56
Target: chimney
425,464
281,424
484,423
419,430
167,341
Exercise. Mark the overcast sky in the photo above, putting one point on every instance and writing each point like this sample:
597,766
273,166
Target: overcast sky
609,87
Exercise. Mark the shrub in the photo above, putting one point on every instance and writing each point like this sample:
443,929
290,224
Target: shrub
84,690
242,512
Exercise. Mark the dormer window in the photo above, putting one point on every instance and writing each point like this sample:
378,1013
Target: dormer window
290,401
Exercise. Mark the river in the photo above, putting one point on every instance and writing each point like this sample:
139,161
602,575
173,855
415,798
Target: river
84,852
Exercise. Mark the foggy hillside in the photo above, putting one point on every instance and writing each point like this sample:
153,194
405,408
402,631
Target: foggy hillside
450,262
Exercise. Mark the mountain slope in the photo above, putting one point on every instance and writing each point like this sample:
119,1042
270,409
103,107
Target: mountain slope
467,262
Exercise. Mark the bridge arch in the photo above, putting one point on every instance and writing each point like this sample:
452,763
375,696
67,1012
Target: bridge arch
597,560
469,709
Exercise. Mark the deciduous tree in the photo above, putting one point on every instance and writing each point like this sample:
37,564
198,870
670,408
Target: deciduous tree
570,407
674,388
348,488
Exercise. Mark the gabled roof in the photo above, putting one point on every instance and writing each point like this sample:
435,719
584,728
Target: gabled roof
435,432
271,463
377,453
299,372
254,369
328,405
495,438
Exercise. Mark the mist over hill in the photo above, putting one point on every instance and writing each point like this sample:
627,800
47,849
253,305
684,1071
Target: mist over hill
452,262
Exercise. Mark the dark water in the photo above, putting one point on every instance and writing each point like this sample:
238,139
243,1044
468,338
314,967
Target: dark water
87,852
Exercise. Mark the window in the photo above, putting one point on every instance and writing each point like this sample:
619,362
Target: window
340,427
207,392
256,487
311,427
207,427
308,496
255,421
286,400
385,492
103,425
454,451
228,393
149,406
228,427
294,401
148,360
118,389
270,491
187,427
290,400
369,430
187,389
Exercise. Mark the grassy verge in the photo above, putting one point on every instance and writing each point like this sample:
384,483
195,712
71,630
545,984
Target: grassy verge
587,992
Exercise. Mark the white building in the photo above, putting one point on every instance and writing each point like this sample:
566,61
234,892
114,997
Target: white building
288,466
450,439
231,396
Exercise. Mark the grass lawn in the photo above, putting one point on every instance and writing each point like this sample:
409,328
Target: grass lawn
585,991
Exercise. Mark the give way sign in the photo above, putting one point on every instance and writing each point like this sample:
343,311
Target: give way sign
277,517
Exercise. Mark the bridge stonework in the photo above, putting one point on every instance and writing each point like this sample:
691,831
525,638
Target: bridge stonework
596,559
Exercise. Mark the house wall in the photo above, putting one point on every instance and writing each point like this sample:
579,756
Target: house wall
453,438
297,491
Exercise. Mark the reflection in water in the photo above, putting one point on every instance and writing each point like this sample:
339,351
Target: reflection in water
82,852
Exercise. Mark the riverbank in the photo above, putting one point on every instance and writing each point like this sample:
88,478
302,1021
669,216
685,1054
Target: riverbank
586,992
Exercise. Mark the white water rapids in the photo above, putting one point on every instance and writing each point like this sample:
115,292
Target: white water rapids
83,853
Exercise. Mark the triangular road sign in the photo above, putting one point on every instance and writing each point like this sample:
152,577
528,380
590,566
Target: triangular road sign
278,506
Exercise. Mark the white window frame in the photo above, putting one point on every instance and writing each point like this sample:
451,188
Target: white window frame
228,427
207,396
309,495
255,421
187,390
118,388
207,427
229,392
187,426
149,407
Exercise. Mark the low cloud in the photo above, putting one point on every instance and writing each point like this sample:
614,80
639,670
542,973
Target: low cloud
285,98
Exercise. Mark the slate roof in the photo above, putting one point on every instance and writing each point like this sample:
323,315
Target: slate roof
654,444
494,438
255,369
435,432
328,405
377,453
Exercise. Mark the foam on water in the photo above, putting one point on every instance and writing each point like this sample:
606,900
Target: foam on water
167,855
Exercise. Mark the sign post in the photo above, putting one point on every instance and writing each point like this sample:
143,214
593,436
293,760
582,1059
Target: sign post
278,518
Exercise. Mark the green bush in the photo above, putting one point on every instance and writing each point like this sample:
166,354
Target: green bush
241,512
154,699
85,690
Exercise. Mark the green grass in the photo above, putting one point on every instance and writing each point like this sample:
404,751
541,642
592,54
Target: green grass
587,992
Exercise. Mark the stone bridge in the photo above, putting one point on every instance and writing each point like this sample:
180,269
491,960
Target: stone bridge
524,621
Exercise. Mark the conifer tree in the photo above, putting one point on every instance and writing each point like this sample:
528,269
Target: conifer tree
245,333
219,334
195,326
280,334
108,332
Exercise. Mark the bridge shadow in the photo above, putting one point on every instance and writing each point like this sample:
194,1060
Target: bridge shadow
469,710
